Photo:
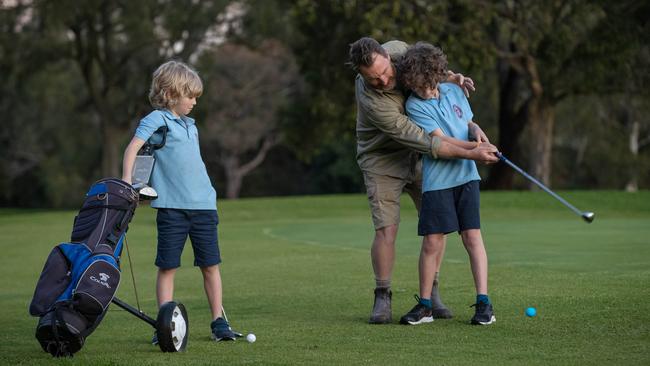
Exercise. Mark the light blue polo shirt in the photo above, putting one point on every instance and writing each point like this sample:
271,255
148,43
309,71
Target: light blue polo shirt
450,112
179,174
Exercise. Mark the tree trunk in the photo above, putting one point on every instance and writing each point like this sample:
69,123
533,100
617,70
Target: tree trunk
230,163
234,185
235,172
511,124
542,119
111,150
633,143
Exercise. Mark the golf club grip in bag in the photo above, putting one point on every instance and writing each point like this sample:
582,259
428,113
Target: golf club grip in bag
80,277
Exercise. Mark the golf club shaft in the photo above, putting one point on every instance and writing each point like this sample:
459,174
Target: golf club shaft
539,184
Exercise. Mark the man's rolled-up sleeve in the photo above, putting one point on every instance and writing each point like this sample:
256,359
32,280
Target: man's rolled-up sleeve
400,128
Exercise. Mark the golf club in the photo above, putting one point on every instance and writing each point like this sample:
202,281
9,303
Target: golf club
239,335
586,215
143,166
145,192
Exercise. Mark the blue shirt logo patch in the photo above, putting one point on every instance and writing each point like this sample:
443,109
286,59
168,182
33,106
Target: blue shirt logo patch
459,112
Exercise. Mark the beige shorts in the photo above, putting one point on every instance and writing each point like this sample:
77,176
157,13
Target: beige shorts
384,194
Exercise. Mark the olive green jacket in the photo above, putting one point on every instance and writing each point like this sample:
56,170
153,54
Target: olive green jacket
388,142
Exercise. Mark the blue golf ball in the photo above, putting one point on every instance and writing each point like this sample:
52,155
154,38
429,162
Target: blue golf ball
531,312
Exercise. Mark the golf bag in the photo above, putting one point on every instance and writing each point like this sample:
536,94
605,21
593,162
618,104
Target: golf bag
80,277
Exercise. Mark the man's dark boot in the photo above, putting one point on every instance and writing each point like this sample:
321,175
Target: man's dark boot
440,310
381,311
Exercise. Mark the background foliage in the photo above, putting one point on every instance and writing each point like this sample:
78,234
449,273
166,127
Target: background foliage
562,88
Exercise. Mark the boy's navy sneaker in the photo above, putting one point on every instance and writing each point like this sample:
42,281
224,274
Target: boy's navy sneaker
221,330
418,315
483,314
154,339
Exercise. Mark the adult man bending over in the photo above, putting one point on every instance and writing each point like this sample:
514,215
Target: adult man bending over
389,145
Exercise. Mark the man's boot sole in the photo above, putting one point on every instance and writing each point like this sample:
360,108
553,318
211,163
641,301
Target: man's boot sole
442,313
380,321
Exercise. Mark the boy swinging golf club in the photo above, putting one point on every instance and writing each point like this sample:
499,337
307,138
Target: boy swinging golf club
450,189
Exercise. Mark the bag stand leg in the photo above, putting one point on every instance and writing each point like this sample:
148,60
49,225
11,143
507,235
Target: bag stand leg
171,325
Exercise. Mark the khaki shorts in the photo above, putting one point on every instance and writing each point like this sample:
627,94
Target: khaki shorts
384,194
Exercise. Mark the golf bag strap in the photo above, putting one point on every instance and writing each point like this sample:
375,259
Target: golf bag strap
57,346
58,317
112,238
113,207
148,146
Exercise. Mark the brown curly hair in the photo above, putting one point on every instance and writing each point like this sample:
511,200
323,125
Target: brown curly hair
423,65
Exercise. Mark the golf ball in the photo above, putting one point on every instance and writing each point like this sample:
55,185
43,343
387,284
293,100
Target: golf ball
251,338
531,312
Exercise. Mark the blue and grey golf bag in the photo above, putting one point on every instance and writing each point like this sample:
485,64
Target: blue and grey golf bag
80,277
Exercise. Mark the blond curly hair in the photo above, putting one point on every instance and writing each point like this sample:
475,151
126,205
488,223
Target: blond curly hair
171,81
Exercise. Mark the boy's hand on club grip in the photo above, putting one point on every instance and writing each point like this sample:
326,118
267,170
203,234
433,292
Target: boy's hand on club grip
486,153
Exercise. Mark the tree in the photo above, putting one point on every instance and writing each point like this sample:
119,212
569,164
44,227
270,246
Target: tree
116,46
547,51
247,90
33,95
319,33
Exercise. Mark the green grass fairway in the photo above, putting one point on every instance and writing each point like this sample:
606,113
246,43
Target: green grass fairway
297,273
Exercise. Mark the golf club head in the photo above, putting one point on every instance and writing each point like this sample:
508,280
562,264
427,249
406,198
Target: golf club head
145,192
588,216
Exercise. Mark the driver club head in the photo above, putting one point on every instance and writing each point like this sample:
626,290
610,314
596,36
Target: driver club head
588,216
147,193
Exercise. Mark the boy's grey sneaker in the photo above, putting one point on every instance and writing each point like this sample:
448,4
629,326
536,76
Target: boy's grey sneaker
154,339
483,314
221,330
420,314
381,310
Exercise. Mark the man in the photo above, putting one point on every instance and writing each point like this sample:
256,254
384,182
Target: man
388,148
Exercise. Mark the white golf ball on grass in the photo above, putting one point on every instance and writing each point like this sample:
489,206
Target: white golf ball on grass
251,338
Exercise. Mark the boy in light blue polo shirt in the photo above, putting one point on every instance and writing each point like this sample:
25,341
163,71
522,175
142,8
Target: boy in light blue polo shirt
450,199
187,202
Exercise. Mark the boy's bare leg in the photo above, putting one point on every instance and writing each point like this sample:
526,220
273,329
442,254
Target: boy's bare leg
213,289
439,310
165,285
431,253
473,242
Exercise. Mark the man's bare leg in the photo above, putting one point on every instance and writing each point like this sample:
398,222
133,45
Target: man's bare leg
439,309
383,258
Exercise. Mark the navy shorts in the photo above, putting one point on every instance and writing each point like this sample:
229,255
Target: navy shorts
452,209
174,225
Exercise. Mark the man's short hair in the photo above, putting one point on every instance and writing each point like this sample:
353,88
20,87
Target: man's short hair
423,65
361,52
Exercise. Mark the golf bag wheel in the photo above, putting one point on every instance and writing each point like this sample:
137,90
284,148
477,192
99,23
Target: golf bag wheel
172,326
